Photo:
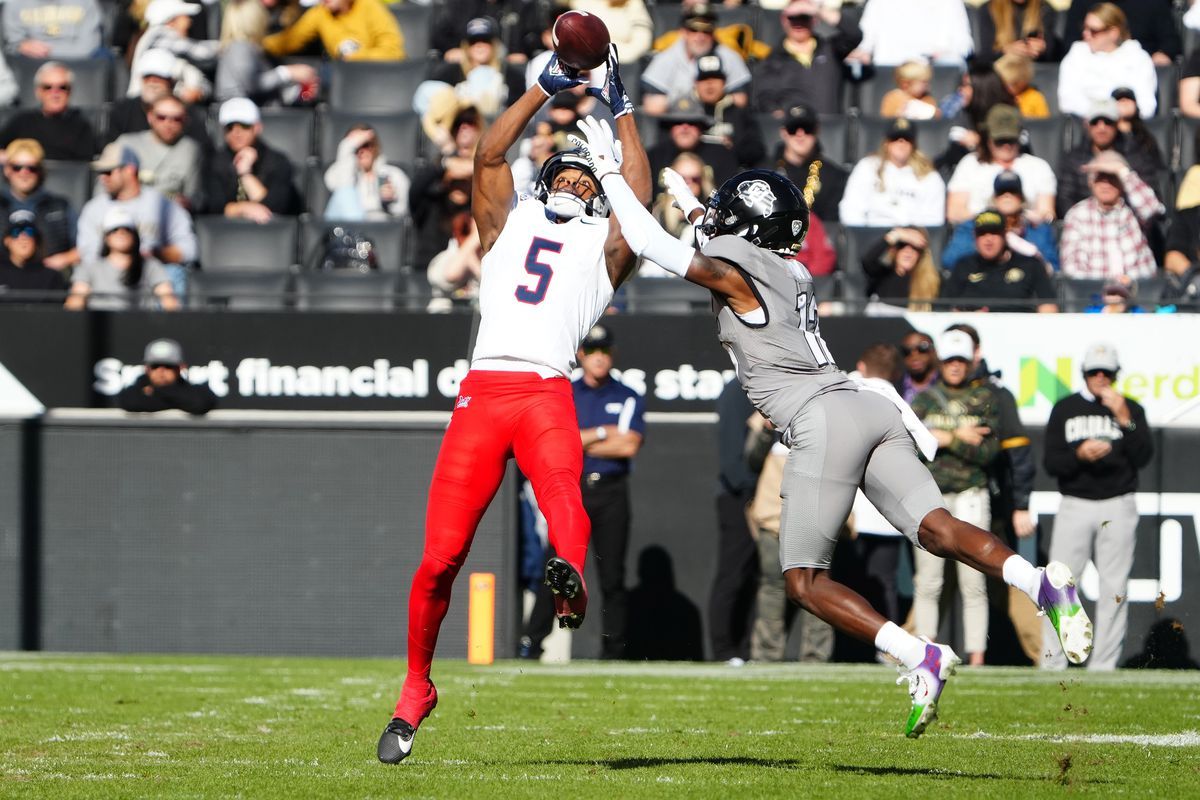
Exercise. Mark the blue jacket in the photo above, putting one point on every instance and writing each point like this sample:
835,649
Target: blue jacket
962,243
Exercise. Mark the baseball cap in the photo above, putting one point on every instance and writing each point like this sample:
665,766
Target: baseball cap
598,337
685,109
159,63
901,129
800,7
1008,182
1003,122
482,29
1105,108
989,221
115,155
163,351
118,217
161,12
22,221
801,116
1119,289
240,110
709,67
955,344
1101,355
1124,93
700,17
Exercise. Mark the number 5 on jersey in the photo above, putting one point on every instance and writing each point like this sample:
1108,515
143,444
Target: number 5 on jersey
806,306
543,271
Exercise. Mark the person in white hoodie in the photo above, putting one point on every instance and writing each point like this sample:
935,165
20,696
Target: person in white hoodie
1106,59
896,31
897,185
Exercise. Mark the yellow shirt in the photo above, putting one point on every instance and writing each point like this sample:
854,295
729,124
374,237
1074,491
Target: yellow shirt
1189,189
366,32
1032,104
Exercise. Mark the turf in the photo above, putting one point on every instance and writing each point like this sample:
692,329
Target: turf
189,726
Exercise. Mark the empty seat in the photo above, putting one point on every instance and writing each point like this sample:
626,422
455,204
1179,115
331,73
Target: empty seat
74,180
1047,138
346,291
316,195
1045,80
399,134
1076,294
375,86
414,20
390,238
1168,90
1163,130
239,291
290,131
932,135
238,245
90,89
666,295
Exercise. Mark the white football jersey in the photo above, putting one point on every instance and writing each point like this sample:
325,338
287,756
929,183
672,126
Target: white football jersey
542,287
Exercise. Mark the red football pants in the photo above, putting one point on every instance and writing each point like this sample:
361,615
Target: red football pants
498,415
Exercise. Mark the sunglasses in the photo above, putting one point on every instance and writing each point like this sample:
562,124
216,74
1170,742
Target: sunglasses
24,230
237,126
923,347
589,350
1094,31
25,167
1094,121
1108,373
1006,141
168,118
800,20
161,366
55,87
794,130
910,246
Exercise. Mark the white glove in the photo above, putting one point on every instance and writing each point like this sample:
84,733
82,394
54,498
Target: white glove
600,148
681,193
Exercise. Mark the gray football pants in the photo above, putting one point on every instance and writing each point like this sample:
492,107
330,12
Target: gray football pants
1104,531
841,440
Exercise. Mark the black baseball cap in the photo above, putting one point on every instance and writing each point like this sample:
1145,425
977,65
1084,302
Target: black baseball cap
801,116
23,221
599,337
901,129
700,17
1124,93
989,221
482,29
1008,182
709,66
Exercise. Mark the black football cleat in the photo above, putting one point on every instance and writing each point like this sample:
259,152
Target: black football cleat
396,742
570,593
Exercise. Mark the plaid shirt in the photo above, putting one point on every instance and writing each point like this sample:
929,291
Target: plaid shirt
1101,244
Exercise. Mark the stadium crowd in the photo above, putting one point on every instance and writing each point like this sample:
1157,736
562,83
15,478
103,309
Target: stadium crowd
948,147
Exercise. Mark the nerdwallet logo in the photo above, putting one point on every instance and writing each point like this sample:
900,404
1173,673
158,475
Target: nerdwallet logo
1054,380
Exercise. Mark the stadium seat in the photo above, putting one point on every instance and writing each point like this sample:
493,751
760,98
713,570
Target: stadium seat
238,291
1076,294
1047,138
836,237
413,290
415,20
1168,90
834,133
90,90
932,135
375,86
73,180
390,237
353,291
316,196
825,287
238,245
1186,133
288,130
1045,80
1163,129
399,134
666,295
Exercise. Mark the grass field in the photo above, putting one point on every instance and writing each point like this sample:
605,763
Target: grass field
183,727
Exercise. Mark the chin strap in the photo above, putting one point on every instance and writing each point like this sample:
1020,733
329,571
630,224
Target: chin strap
643,233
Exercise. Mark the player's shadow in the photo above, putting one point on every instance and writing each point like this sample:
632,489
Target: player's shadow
663,624
948,773
716,761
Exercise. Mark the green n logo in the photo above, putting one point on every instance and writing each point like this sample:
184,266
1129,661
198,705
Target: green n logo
1037,379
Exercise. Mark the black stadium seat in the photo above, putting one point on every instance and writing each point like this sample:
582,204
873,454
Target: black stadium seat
415,20
399,134
238,291
666,295
238,245
390,238
352,291
1076,294
375,86
73,180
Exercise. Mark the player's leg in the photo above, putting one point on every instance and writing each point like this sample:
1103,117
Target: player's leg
547,447
1114,560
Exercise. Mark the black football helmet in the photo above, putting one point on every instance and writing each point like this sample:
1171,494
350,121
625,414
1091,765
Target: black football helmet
760,206
566,204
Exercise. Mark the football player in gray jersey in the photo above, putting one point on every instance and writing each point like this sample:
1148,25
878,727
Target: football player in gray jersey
842,435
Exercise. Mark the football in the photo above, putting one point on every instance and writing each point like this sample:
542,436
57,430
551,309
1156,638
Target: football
580,40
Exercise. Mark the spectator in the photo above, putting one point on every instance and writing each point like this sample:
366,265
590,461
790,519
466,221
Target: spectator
247,178
817,253
120,276
974,179
1117,297
980,90
1096,441
920,364
1181,264
699,178
39,29
164,385
670,75
1017,74
478,77
895,31
774,613
243,69
731,599
454,273
441,190
169,161
734,126
350,30
1105,60
1104,236
1150,22
900,269
1023,28
962,415
23,276
55,220
911,98
897,185
1026,235
684,125
806,69
131,114
168,23
282,14
64,132
798,150
1104,135
996,278
611,428
629,25
535,149
361,183
164,228
1141,142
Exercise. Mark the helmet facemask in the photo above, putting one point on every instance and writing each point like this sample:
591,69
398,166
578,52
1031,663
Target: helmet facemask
558,196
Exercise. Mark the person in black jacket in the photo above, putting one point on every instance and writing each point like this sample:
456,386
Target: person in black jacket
247,179
1096,441
64,132
806,66
994,278
733,126
23,276
164,386
25,176
799,148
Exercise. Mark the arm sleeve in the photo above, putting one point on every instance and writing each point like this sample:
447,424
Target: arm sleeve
1060,459
15,31
1145,86
1071,98
386,41
180,232
980,454
194,399
8,84
644,235
1071,248
341,171
295,36
874,261
281,194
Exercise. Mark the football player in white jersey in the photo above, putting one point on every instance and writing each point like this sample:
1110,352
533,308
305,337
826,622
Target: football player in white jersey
841,435
551,264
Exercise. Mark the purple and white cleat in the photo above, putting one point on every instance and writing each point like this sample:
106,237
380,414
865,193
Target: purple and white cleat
1058,600
925,685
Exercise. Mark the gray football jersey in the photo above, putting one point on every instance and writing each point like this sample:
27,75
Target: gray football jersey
783,362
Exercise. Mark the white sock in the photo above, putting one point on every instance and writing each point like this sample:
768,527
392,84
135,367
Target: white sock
1025,576
900,644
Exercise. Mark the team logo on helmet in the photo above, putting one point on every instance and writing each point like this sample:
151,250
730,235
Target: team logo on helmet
796,226
754,193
